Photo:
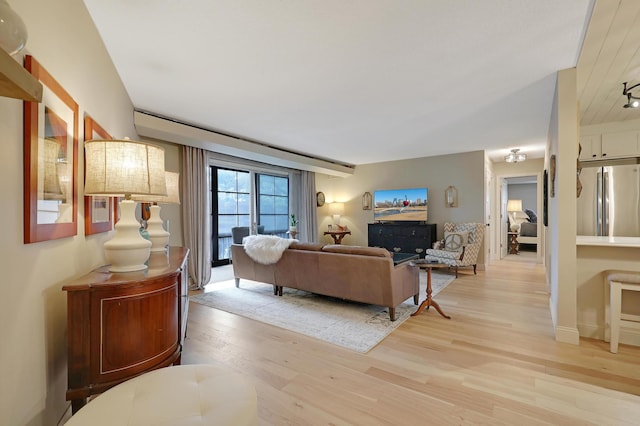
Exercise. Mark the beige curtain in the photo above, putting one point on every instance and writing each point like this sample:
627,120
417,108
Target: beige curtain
307,207
195,214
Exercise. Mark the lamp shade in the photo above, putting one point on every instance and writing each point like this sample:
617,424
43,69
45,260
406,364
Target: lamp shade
336,208
124,167
514,205
173,192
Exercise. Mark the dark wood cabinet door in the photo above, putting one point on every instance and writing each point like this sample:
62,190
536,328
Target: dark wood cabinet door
402,237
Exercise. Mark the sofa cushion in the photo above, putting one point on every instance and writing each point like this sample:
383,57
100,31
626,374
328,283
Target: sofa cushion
364,251
443,254
306,246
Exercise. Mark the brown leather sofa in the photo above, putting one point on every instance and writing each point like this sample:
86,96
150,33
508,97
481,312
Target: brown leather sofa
360,274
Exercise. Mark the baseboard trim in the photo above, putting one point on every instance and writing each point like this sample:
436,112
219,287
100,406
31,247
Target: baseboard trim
567,335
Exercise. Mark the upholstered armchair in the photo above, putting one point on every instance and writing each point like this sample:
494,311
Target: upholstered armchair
461,246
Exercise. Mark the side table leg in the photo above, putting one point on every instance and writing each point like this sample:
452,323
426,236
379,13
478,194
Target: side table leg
429,301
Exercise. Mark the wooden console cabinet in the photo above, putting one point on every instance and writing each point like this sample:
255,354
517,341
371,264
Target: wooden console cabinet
120,325
402,237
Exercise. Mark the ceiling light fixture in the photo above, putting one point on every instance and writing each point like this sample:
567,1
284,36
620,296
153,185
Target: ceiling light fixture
515,157
632,101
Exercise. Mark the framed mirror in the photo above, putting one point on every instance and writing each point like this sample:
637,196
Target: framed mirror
98,210
50,161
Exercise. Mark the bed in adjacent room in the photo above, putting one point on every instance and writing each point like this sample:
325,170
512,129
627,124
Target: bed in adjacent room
528,227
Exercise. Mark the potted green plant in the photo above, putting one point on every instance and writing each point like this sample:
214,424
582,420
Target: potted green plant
293,223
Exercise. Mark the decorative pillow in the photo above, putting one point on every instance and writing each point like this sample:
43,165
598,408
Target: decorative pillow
533,218
453,241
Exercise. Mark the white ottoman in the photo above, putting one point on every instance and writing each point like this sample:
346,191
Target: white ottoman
178,395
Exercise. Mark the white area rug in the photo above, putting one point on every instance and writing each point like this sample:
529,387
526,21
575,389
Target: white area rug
353,325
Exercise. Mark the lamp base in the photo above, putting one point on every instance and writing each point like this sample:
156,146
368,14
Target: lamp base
515,227
157,235
127,251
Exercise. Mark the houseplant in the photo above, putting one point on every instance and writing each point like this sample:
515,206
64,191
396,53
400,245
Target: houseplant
293,223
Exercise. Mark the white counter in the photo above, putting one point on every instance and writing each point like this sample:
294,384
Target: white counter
586,240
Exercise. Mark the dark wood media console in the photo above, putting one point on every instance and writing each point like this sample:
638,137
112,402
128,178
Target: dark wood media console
120,325
403,237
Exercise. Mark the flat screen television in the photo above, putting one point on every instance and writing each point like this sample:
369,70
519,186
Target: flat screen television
397,205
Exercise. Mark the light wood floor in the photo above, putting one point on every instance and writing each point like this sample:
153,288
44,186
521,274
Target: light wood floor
494,363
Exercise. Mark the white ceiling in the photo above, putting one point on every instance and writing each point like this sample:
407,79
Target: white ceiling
356,81
611,56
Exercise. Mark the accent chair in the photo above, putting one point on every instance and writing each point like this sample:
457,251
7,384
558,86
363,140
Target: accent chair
461,245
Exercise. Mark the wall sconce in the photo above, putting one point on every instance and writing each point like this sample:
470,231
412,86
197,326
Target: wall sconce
451,196
366,201
123,168
336,209
158,236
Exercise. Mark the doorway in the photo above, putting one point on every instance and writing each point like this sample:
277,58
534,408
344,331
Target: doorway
522,242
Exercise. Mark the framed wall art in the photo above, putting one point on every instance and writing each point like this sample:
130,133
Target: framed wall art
50,161
98,210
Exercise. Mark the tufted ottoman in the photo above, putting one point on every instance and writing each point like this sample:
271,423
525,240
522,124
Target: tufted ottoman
179,395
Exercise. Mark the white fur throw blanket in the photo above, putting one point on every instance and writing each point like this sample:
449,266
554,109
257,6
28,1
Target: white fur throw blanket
266,249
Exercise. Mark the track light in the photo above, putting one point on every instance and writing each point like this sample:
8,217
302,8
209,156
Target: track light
515,157
632,101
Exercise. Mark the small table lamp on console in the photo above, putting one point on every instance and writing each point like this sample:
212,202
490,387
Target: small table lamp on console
514,206
158,236
120,168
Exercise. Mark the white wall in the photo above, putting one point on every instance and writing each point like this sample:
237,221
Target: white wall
33,360
464,171
527,192
561,248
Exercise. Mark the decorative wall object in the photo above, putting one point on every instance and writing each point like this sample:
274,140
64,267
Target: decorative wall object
366,201
13,33
98,210
578,171
545,198
50,161
552,176
451,196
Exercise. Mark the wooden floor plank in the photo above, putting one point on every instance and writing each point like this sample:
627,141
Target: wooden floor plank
495,362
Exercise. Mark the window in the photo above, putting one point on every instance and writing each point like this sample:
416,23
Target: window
234,195
231,207
273,203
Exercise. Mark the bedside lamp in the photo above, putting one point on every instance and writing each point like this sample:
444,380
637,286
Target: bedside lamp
336,209
120,168
514,206
158,236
